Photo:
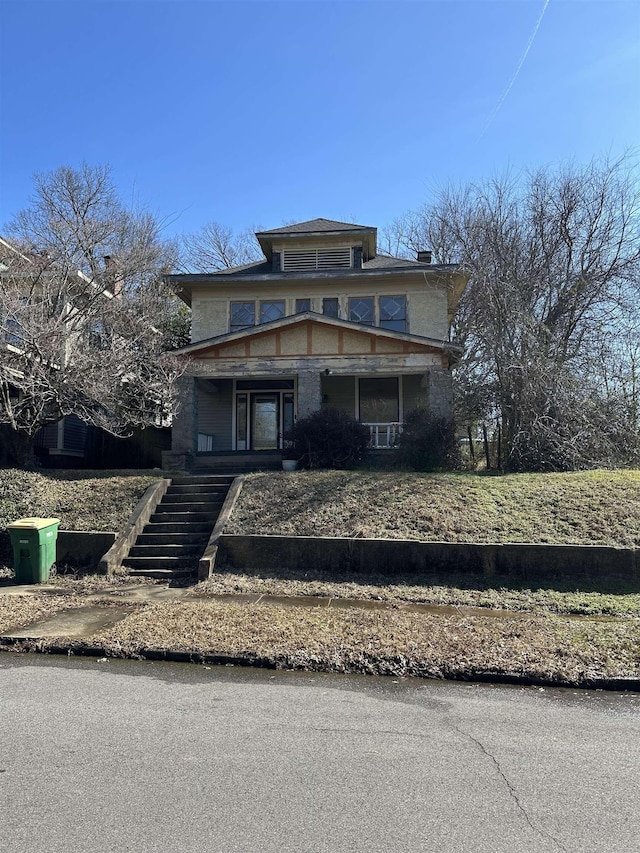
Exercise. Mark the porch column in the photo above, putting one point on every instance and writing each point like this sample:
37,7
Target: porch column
184,419
309,393
439,385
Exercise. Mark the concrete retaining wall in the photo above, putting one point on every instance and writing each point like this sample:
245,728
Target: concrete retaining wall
344,557
79,549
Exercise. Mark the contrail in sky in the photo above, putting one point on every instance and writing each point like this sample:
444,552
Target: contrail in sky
517,71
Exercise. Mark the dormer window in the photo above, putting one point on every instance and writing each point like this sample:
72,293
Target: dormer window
316,259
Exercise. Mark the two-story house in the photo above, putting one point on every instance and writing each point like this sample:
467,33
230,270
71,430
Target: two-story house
322,320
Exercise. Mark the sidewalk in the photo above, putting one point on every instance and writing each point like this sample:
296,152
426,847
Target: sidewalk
83,622
323,634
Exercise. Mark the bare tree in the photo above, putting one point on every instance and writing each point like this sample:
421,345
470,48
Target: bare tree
217,247
554,259
84,314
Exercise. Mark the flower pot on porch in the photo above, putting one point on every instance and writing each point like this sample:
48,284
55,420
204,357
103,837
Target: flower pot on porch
289,464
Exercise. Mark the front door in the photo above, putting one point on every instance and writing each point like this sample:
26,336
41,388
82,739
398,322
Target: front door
265,421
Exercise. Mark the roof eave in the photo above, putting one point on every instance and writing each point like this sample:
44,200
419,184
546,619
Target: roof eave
211,278
292,319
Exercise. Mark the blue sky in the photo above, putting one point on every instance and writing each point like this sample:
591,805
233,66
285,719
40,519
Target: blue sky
255,113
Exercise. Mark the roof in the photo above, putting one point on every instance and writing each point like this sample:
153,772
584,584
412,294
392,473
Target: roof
314,230
264,268
322,319
316,226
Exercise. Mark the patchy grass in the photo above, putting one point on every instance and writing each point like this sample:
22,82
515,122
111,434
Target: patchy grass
19,610
587,507
82,500
385,642
463,591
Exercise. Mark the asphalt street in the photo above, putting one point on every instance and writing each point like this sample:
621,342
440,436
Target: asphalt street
137,756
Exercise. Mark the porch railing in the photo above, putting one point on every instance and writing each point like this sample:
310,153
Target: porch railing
383,435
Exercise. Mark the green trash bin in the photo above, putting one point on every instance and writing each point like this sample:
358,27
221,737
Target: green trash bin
34,548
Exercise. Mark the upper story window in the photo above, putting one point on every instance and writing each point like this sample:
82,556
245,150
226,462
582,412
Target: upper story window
393,313
361,310
13,329
303,305
315,259
243,315
271,311
330,307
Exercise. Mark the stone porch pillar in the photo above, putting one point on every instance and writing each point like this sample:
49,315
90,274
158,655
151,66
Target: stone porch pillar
309,393
439,386
184,420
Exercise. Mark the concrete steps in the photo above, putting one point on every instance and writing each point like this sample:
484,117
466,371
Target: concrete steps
171,544
237,462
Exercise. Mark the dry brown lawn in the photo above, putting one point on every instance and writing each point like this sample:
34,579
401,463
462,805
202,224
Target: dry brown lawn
386,642
587,507
82,500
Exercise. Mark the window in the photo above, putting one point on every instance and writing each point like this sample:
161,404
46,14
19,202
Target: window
361,310
330,307
303,305
243,315
393,313
271,311
97,335
241,422
379,400
14,332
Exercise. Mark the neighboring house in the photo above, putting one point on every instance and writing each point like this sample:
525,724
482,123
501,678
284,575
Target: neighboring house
68,437
69,442
322,320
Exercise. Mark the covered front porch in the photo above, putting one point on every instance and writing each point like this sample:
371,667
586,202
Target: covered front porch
243,392
257,415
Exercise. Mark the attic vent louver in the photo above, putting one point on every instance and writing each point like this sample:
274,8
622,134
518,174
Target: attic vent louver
315,259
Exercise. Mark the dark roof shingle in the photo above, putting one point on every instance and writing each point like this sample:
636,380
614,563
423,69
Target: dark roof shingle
317,226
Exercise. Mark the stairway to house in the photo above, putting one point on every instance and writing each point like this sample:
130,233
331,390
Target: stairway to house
173,541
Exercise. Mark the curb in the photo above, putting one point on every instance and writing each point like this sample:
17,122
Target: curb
24,645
